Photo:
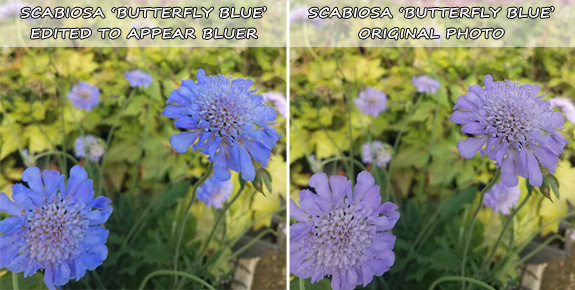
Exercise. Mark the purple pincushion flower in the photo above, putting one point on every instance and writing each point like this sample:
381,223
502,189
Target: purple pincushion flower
279,101
502,198
425,84
138,78
90,147
225,120
377,153
518,129
342,232
300,14
566,106
214,192
371,101
84,96
54,226
12,9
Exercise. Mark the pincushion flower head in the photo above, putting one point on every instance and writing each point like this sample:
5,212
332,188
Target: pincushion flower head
138,78
214,192
566,106
377,153
84,96
225,120
371,101
342,232
90,147
54,226
279,101
518,129
425,84
502,198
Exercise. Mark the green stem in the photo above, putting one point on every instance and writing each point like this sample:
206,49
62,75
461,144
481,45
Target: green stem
509,221
474,219
398,140
459,278
187,212
111,134
175,273
301,284
15,281
251,243
228,205
340,158
64,154
538,249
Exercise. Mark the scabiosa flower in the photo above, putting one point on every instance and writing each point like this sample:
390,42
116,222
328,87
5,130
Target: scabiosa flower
342,232
84,96
138,78
300,14
502,198
371,101
229,121
425,84
214,192
90,147
571,233
11,9
518,128
54,226
376,152
566,106
314,163
279,101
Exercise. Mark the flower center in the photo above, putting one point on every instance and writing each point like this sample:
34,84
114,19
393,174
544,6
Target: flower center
342,237
54,232
85,94
221,117
511,115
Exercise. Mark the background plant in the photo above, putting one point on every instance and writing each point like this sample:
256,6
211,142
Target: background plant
148,182
436,189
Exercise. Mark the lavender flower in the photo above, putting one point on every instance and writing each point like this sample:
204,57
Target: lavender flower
84,96
300,14
54,226
502,198
572,234
425,84
214,192
376,152
371,101
229,121
342,232
518,128
90,147
138,78
11,9
566,106
279,101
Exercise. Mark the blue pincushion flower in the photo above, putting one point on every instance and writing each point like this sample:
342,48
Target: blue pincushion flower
84,96
342,232
90,147
214,192
54,226
566,106
371,101
377,153
518,129
225,120
278,100
425,84
502,198
138,78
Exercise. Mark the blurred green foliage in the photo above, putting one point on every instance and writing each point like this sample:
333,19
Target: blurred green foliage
436,189
149,182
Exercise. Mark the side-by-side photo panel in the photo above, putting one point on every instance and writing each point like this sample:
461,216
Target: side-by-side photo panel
432,168
140,168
